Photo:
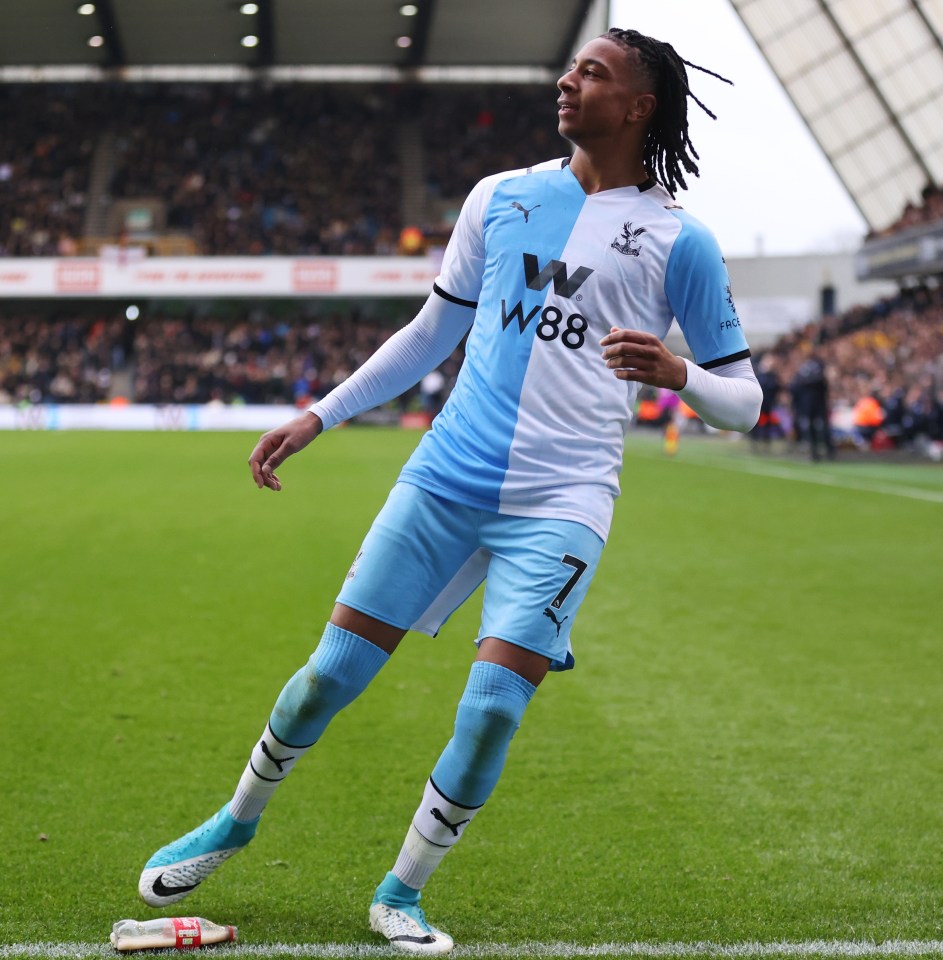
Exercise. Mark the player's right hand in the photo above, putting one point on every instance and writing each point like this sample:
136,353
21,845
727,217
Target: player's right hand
277,445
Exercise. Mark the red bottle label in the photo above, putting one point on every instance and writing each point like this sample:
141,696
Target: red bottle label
189,934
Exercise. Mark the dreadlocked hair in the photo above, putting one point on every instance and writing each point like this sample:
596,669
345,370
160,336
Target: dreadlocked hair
668,151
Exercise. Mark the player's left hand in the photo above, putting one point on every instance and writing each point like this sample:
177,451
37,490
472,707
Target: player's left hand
642,357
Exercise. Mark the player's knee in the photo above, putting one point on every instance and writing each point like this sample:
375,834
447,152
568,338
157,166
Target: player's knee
480,732
488,716
491,709
309,700
335,674
327,685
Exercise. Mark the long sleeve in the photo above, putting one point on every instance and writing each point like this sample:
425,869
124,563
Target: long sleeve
402,361
727,397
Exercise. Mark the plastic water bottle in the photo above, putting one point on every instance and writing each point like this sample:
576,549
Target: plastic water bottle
175,933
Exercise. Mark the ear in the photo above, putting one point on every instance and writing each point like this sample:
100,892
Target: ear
642,108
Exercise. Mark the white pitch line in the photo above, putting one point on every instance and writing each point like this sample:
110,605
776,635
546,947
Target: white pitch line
564,951
812,475
830,480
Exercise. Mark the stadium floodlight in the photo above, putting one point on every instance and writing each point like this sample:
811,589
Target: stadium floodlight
404,42
96,41
85,9
409,9
250,41
249,9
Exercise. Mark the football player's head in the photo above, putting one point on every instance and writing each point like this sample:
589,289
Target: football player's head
668,151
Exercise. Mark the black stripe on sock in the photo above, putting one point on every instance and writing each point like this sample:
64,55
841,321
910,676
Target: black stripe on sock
454,803
266,779
291,746
441,846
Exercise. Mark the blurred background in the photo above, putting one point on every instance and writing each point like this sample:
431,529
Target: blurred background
211,212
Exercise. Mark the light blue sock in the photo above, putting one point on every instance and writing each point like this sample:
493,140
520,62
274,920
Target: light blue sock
488,715
394,893
335,674
338,671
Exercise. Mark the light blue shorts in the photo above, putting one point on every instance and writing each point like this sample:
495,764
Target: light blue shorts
424,556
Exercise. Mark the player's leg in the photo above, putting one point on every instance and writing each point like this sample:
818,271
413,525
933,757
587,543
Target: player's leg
391,583
352,650
501,683
537,578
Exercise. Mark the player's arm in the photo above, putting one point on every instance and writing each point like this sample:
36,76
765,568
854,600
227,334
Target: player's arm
720,386
401,362
405,358
431,337
727,396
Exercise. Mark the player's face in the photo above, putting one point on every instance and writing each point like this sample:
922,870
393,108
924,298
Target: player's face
601,92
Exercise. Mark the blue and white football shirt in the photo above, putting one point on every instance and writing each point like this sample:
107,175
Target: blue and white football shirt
535,424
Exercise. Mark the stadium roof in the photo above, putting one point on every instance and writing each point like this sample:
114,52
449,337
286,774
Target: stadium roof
867,78
385,34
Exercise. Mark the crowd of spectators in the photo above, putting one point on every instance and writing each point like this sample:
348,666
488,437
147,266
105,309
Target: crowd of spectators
883,365
471,132
251,359
928,210
274,169
253,169
49,137
59,358
270,168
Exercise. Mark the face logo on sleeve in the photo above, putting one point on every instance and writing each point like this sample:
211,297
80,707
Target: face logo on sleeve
629,245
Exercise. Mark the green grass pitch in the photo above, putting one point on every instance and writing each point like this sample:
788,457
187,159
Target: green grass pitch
749,748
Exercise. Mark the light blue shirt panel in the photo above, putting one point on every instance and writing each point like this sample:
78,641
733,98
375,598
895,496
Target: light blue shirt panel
698,289
465,456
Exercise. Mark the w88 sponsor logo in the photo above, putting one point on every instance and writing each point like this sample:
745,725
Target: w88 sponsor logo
574,326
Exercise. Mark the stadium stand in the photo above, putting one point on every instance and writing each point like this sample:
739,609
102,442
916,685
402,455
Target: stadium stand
884,364
277,169
251,358
49,140
928,211
244,169
255,169
258,169
890,353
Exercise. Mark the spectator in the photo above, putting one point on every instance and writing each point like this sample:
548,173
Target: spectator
810,406
769,424
891,351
